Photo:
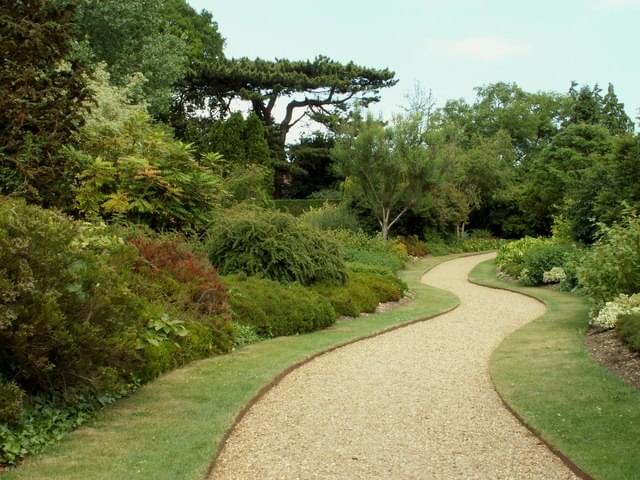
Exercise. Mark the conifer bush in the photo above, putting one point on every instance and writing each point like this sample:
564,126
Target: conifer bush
257,241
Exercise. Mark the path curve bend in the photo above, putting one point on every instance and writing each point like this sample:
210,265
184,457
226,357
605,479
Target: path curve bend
415,403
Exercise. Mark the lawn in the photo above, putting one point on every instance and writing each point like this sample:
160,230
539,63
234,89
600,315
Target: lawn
544,372
170,428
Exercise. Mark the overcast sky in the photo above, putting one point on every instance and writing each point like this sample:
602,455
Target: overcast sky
449,46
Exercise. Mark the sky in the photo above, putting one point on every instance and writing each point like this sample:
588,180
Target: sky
448,46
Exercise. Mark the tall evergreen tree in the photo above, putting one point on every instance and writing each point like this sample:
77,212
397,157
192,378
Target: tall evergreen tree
613,115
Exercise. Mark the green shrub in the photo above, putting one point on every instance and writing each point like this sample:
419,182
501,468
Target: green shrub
68,318
265,242
510,257
363,292
612,265
331,217
540,259
628,329
11,402
274,309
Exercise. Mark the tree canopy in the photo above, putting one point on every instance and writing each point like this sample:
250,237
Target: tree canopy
321,87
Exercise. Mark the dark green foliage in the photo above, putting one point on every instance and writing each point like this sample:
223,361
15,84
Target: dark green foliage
299,206
628,329
40,99
240,141
310,167
275,309
612,265
162,39
326,88
11,402
265,242
542,258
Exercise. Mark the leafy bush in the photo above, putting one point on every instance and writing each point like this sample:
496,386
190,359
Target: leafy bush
67,316
555,275
628,329
273,309
11,402
439,247
608,315
173,265
510,257
135,169
266,242
612,265
540,259
415,247
363,292
297,207
331,217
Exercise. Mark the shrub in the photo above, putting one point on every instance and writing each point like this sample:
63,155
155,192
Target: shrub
274,309
331,217
609,314
363,292
266,242
555,275
540,259
68,318
628,329
510,257
11,402
191,279
415,247
612,265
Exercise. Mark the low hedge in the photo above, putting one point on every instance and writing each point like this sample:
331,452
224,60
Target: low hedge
363,292
274,309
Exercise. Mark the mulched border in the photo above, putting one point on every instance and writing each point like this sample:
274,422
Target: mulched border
606,348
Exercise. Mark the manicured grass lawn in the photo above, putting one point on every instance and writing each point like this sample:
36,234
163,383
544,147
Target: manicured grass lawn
170,428
544,372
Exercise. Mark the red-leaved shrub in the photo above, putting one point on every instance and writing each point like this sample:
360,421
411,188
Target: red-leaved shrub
194,276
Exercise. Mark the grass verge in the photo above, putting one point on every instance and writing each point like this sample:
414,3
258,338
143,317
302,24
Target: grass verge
545,374
171,427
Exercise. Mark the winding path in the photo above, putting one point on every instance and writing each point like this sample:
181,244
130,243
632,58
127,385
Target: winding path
415,403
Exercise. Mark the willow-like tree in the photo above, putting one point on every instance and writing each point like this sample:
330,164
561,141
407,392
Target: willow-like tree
320,88
389,166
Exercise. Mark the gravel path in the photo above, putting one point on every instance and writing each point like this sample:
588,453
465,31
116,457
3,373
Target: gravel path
416,403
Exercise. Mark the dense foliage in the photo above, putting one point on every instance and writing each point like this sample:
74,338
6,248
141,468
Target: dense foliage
273,244
41,94
275,309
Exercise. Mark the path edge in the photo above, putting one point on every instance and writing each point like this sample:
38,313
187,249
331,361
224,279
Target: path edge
579,472
278,378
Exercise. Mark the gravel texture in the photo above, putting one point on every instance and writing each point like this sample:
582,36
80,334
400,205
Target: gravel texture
415,403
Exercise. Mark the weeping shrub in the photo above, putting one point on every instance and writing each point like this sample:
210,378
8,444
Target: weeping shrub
257,241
